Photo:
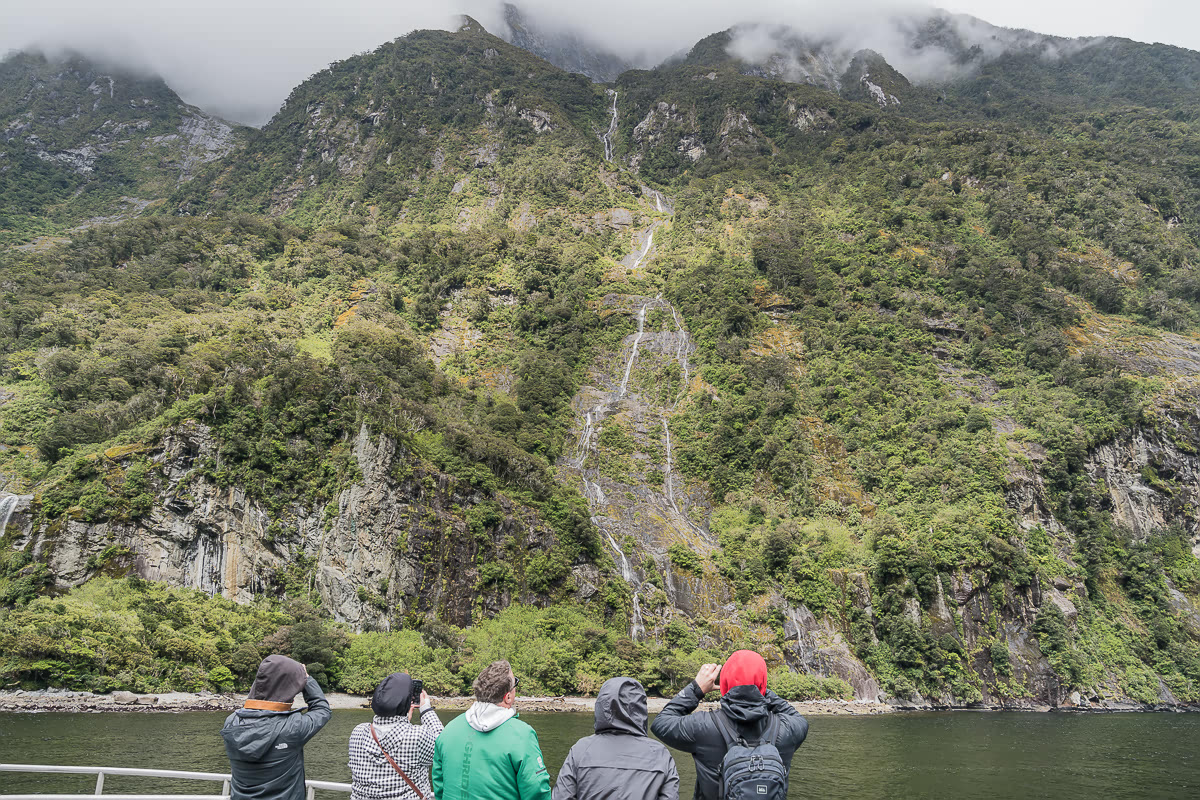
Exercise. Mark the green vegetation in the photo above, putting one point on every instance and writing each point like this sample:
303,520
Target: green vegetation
911,325
130,634
85,143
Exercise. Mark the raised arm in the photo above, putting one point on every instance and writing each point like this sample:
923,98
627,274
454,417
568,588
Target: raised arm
674,725
431,729
311,721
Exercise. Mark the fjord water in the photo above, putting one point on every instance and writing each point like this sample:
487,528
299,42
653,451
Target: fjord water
978,755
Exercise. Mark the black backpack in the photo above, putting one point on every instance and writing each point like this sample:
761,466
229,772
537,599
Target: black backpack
751,771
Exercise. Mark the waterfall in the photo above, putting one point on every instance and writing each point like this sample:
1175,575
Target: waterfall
645,250
585,441
626,570
681,353
636,626
668,480
633,353
8,504
612,129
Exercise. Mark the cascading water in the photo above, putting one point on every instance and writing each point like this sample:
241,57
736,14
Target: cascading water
610,517
681,355
8,504
637,626
612,129
667,480
637,262
641,318
585,441
626,571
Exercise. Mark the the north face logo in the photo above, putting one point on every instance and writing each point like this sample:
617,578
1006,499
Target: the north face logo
281,746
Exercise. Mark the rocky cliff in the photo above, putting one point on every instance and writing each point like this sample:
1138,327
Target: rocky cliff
385,551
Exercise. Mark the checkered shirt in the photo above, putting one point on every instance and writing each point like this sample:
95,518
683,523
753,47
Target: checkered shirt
410,745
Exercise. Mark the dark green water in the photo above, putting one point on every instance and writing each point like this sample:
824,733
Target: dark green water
960,755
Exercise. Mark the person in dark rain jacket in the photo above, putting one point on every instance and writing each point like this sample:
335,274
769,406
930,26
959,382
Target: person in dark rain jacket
745,701
265,739
618,762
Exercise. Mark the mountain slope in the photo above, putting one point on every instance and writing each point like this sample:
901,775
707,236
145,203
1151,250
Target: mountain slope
898,396
379,130
80,141
566,50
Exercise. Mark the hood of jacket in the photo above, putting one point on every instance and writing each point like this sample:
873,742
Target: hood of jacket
252,733
745,705
485,717
278,681
621,707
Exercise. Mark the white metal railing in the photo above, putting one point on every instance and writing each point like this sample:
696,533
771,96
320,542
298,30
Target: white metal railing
100,772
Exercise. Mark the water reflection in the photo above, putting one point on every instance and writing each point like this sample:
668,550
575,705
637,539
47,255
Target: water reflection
910,755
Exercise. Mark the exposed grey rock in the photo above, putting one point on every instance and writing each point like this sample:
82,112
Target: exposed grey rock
1142,504
1064,604
405,533
822,649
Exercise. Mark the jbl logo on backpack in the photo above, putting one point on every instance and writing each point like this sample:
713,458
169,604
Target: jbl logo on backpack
752,772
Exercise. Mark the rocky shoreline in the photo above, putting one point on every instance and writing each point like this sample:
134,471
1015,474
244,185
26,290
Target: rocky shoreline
63,700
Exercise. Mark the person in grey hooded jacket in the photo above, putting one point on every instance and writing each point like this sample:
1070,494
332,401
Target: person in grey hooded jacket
265,739
619,762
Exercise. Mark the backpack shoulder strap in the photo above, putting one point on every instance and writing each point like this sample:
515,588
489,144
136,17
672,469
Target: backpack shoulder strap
725,728
771,735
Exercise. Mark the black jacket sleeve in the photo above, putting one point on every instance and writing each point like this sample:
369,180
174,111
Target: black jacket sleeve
793,728
675,726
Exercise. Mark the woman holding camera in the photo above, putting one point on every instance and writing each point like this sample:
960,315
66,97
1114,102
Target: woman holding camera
390,756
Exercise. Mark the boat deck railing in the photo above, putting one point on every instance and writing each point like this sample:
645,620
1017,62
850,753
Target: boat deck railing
101,772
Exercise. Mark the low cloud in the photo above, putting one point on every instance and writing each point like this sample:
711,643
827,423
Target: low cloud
238,60
927,46
241,60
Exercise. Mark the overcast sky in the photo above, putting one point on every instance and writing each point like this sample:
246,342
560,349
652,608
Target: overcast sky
241,59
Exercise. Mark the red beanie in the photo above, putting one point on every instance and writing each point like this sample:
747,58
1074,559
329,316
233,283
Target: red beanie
744,668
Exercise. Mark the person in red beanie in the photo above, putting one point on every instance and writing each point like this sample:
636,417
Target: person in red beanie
746,704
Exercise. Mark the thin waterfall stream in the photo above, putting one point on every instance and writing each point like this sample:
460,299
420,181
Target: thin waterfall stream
673,344
8,504
612,129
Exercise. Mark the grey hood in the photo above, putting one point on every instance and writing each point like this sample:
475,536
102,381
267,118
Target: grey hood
621,707
618,762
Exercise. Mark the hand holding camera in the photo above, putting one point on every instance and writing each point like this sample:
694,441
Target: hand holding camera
708,676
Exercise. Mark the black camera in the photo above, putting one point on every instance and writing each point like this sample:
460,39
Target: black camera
414,697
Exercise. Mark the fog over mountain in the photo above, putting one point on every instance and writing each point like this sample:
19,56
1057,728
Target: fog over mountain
240,60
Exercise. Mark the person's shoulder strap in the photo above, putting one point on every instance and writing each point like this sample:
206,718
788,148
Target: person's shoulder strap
771,736
396,766
725,727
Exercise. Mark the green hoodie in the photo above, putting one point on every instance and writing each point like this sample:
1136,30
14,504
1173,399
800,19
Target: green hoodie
487,752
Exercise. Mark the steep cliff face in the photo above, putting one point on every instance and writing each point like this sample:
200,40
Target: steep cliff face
387,548
1150,480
